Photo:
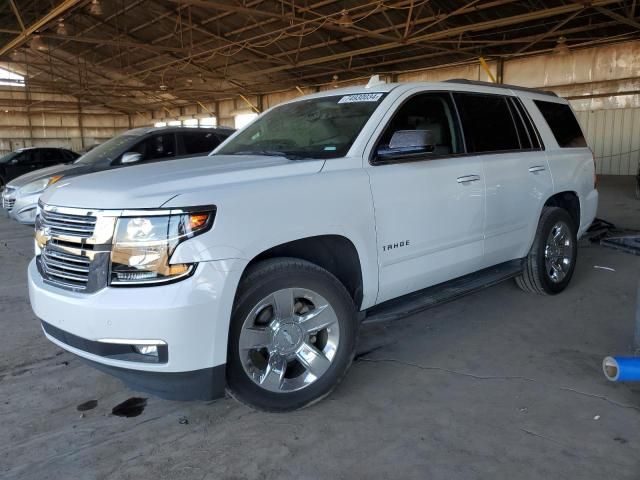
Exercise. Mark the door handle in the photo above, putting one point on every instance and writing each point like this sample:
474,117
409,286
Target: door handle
468,178
536,168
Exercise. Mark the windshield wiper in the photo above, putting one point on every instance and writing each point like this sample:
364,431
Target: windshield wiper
270,153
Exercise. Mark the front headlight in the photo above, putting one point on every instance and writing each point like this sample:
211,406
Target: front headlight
36,186
143,246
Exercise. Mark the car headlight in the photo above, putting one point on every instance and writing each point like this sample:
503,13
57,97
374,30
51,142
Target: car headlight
38,186
143,246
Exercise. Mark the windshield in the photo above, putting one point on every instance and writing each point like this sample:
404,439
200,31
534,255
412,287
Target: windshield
109,150
323,127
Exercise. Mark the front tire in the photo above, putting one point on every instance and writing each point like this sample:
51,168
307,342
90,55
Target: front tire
550,264
292,337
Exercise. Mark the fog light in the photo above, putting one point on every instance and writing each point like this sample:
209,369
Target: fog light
151,350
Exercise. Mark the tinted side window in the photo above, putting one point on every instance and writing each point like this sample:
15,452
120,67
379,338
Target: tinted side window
531,129
487,123
199,142
429,111
563,123
51,156
24,157
156,147
523,135
71,155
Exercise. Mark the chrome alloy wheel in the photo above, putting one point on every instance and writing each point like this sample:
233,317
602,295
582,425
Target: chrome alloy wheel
558,252
289,340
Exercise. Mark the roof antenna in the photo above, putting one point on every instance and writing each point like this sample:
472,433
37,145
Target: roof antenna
375,80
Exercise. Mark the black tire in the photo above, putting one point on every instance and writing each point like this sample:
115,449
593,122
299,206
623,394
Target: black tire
260,281
534,277
3,183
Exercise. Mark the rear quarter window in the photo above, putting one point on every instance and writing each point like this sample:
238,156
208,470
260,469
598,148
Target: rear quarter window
563,124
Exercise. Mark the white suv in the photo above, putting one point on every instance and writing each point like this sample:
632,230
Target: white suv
252,268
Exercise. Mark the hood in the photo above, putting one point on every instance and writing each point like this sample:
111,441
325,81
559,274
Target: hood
43,173
153,184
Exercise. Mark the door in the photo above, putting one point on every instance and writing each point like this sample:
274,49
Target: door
24,162
429,208
517,177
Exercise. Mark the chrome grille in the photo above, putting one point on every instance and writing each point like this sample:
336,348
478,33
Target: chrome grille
75,247
65,269
63,224
7,203
8,200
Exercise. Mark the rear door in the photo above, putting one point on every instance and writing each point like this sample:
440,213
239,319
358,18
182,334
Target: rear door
429,208
516,172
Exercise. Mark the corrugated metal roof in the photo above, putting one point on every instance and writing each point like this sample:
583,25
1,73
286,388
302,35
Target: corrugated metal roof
144,54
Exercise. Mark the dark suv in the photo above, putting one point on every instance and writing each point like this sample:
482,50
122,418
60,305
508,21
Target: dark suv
25,160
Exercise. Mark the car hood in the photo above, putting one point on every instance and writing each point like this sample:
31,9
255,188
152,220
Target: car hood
154,184
44,173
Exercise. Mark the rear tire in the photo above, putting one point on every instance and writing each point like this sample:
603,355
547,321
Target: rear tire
292,336
550,264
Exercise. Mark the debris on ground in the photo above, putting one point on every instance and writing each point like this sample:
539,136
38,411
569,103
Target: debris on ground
608,235
600,267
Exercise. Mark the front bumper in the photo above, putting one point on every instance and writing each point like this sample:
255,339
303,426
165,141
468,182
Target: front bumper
191,317
24,209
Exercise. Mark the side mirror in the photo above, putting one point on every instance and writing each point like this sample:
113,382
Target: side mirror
131,157
407,143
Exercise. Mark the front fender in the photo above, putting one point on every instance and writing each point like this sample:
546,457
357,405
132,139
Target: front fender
253,217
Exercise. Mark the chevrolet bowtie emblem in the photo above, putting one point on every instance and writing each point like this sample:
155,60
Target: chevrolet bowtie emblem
43,235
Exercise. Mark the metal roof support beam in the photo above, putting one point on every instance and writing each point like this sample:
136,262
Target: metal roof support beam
16,12
616,16
54,13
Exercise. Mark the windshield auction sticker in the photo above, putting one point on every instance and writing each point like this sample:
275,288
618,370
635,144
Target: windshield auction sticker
361,97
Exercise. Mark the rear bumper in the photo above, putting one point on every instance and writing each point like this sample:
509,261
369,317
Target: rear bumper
588,210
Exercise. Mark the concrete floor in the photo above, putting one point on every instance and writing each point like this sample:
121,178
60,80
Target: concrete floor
499,384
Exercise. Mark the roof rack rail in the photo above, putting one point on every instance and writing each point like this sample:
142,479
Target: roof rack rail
464,81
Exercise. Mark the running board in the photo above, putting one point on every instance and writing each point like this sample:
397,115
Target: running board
443,292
